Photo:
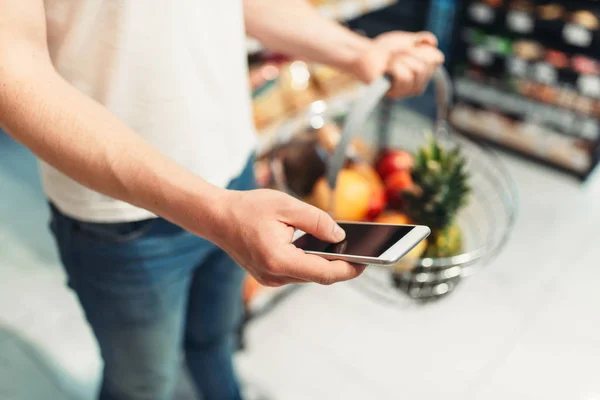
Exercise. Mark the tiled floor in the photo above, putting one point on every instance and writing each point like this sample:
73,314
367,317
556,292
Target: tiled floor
527,327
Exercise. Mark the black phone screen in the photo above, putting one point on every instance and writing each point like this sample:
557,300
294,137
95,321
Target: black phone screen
362,240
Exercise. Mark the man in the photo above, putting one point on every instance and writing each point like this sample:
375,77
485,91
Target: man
139,113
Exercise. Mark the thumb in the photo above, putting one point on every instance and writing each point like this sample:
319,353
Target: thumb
313,221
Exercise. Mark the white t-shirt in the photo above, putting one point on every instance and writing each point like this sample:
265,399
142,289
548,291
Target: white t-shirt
174,71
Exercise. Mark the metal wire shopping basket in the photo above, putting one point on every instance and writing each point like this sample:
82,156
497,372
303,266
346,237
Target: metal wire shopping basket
486,222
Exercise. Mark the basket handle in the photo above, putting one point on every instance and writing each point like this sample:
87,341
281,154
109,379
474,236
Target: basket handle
362,108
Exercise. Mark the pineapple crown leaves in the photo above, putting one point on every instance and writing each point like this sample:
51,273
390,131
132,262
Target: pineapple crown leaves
441,190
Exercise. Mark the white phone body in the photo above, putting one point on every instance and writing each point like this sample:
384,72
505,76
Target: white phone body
389,257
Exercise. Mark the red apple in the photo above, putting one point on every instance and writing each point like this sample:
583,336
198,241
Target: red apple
395,185
378,203
392,161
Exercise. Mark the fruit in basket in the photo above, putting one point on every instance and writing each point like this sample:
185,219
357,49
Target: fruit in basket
441,186
440,190
352,199
377,204
378,201
396,185
302,165
391,161
447,242
408,262
394,218
369,173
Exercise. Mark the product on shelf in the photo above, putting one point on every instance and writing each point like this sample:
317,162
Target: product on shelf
331,80
551,12
545,74
528,50
282,87
494,3
267,99
297,86
557,59
585,65
527,137
586,19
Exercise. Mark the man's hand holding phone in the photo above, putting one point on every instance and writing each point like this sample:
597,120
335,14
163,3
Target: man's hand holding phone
258,229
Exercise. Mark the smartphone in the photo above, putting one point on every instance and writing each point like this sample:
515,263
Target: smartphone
366,243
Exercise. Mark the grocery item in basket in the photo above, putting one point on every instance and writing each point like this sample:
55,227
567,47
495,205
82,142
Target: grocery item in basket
393,160
378,202
408,262
446,243
396,185
301,164
441,189
393,217
351,200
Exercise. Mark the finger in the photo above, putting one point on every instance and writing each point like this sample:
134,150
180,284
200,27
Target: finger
429,55
403,79
420,70
316,269
360,268
312,220
427,38
435,58
401,41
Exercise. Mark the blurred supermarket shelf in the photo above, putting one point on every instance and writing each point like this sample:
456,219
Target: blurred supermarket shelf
276,131
341,10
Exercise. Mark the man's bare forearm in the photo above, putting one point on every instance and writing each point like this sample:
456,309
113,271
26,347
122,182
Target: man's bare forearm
85,141
296,28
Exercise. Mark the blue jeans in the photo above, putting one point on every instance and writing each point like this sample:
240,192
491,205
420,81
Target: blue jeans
152,293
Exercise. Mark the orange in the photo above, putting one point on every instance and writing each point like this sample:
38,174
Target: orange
369,173
352,196
393,218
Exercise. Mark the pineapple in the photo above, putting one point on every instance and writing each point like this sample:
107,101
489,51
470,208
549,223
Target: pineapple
440,190
445,243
